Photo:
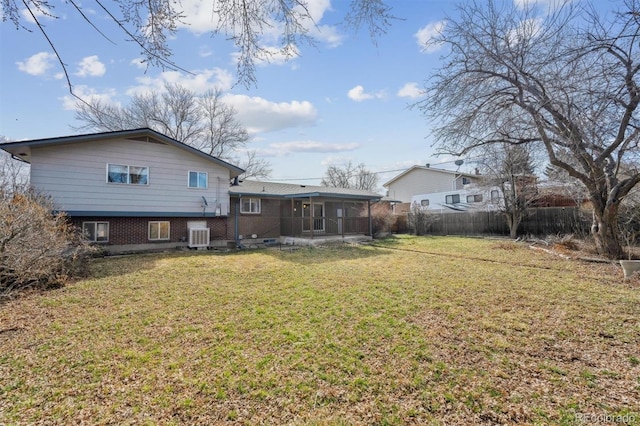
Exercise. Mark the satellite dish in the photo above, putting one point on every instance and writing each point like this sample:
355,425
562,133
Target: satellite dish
459,163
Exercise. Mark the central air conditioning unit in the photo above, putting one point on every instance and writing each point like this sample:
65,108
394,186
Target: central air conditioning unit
199,237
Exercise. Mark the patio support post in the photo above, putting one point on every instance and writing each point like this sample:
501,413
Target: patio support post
370,221
311,216
292,218
342,219
236,226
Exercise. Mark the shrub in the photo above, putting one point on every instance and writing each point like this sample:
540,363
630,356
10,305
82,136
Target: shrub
420,219
381,218
38,248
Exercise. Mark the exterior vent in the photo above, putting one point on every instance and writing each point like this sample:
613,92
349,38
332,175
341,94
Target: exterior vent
199,237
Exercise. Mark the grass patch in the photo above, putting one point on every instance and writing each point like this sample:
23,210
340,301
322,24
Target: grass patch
411,330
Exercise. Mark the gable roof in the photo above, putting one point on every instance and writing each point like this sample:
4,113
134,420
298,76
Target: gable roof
432,169
294,190
22,149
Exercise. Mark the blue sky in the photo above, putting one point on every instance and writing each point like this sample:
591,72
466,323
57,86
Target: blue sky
345,99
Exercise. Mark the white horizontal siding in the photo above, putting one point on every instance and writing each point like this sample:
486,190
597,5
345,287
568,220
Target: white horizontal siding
421,181
75,176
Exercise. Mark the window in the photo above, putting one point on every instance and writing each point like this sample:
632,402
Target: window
466,181
129,175
198,180
477,198
424,203
495,196
96,231
158,230
453,199
250,205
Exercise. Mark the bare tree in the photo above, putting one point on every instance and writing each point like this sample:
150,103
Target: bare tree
204,122
253,166
14,174
350,176
222,130
511,169
567,82
151,24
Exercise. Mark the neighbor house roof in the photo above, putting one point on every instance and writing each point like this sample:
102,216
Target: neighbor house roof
432,169
294,190
22,149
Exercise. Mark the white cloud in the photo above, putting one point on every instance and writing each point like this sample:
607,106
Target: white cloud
313,146
200,82
91,67
260,115
278,56
37,64
199,16
526,30
548,4
426,34
40,12
139,63
87,94
410,90
358,94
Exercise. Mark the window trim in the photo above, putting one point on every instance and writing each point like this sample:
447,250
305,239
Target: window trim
251,200
159,223
206,180
95,230
446,198
128,182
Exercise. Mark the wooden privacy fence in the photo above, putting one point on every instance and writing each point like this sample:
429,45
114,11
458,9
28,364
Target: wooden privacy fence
539,221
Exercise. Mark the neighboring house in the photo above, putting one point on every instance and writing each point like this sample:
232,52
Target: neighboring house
294,212
139,189
419,180
132,189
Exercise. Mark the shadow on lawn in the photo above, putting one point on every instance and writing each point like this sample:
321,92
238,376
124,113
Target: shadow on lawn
325,254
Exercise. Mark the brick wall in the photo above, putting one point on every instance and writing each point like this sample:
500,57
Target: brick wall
135,230
265,224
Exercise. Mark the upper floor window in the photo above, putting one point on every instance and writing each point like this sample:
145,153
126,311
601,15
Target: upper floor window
250,205
198,180
129,175
466,180
453,199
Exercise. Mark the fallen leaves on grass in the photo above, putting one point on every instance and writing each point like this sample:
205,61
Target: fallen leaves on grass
414,331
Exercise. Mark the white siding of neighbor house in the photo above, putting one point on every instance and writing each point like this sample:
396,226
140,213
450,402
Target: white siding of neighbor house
423,181
75,176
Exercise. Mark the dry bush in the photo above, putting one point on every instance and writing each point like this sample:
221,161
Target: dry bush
382,218
38,249
420,219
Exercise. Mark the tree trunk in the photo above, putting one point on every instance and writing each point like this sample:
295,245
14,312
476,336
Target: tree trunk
513,222
605,232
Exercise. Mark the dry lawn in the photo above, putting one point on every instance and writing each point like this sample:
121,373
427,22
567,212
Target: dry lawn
413,330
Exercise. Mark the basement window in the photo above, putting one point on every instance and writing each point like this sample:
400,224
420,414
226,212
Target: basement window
159,230
96,232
